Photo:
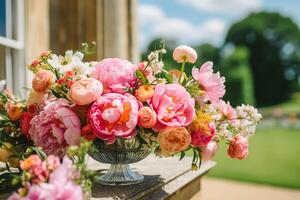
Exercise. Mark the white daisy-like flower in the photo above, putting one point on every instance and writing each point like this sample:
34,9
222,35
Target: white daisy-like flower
71,62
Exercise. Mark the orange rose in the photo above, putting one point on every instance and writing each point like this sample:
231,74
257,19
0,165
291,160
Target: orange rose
146,117
144,92
42,80
29,162
174,139
14,111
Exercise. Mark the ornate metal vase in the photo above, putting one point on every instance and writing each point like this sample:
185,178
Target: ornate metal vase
120,154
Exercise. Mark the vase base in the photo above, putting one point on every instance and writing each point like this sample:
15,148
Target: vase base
119,174
104,181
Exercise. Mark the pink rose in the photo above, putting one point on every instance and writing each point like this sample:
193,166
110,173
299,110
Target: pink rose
114,115
174,140
208,152
42,80
201,136
115,74
147,117
238,147
85,91
211,83
184,53
55,127
173,105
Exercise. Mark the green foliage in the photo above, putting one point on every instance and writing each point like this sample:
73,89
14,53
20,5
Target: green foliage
88,48
139,74
239,84
164,75
268,36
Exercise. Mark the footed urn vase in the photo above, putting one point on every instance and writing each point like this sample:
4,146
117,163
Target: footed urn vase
119,155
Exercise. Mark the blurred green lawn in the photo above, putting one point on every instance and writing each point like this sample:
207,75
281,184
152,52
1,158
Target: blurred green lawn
274,159
288,107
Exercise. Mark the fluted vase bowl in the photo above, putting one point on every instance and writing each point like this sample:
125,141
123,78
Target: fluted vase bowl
119,155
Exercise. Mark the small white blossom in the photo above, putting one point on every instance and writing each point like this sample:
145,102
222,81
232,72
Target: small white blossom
71,62
225,132
248,112
154,63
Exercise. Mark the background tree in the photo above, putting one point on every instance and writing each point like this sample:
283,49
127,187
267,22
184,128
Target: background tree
273,42
239,83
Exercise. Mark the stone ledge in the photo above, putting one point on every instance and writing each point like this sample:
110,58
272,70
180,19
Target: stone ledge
165,178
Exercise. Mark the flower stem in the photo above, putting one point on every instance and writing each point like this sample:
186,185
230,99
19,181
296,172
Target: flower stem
181,70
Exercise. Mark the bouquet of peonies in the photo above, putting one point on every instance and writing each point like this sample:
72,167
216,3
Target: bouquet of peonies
168,110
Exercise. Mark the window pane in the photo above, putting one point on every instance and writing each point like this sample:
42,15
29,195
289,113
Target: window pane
2,62
2,18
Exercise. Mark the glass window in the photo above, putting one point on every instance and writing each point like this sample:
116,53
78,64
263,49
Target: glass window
12,43
2,18
2,62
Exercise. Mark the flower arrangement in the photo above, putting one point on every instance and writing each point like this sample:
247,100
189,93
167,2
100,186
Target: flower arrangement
72,99
52,178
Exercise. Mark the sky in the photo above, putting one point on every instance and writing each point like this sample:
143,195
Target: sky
202,21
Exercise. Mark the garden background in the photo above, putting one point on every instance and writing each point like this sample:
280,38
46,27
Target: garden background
256,46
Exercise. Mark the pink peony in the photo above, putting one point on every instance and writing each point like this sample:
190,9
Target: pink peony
62,191
55,127
173,105
114,115
35,192
184,53
64,172
115,74
238,147
85,91
202,136
147,117
211,83
208,152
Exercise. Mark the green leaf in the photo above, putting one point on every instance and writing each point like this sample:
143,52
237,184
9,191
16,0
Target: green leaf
165,75
40,152
141,139
139,74
182,154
